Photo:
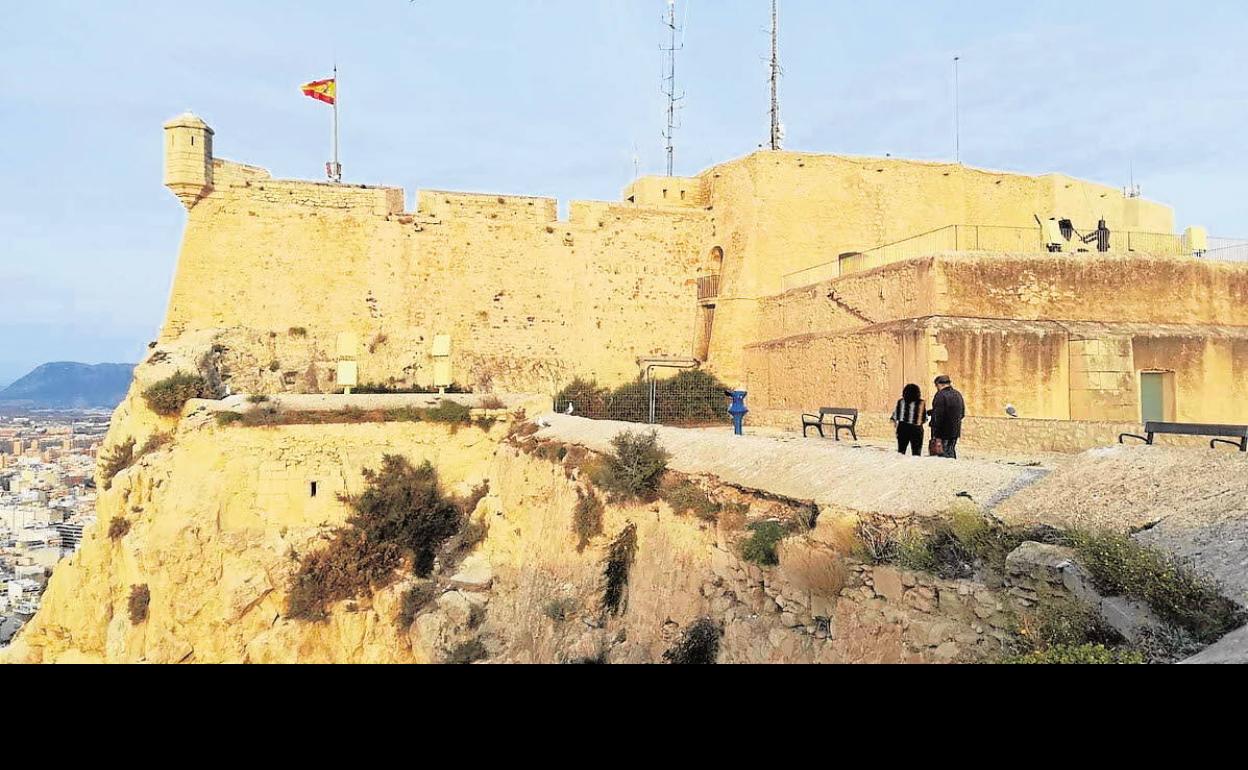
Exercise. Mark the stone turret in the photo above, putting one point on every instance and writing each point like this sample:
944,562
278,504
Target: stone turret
188,158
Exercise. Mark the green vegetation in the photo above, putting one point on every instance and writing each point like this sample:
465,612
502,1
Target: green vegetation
586,518
258,399
760,548
275,366
698,646
686,497
1187,601
391,389
116,460
167,397
118,528
401,520
1080,655
155,443
634,470
619,562
690,398
446,413
1172,588
140,601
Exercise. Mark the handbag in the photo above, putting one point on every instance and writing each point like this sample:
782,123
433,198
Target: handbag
936,447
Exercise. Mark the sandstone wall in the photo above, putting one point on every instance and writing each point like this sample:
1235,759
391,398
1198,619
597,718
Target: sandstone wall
779,213
529,301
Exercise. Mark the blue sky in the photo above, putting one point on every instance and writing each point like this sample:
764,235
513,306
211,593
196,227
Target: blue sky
550,97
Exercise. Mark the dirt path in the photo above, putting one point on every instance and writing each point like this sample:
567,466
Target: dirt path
867,479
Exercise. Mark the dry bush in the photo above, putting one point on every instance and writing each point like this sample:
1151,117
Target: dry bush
813,568
118,528
402,518
492,403
168,396
587,518
155,443
116,460
140,600
734,516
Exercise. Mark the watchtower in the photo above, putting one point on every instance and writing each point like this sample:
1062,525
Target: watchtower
188,158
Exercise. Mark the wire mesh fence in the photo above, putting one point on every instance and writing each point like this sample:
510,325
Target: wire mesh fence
1227,250
690,399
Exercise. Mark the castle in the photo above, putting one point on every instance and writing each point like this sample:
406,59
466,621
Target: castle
808,280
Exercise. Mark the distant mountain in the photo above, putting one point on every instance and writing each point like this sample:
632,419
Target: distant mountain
70,385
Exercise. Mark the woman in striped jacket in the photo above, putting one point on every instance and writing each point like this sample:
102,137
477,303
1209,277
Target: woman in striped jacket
910,416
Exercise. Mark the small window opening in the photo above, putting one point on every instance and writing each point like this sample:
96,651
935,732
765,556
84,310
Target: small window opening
312,488
682,195
665,193
192,140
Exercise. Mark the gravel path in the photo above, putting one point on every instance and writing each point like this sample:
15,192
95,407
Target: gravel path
866,479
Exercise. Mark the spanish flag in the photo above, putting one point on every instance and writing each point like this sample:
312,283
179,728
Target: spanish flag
322,90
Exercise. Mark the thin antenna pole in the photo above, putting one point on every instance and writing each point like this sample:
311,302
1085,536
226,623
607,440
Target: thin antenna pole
775,75
670,87
335,171
957,108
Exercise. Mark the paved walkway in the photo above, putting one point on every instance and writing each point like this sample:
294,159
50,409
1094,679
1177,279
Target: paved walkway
867,479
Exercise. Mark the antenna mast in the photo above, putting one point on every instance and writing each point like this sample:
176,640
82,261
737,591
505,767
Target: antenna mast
777,130
669,86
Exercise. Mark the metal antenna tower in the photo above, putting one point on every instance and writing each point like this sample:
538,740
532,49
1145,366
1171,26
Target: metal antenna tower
777,131
669,86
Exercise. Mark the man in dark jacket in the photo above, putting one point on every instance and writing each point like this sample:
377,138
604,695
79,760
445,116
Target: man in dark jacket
948,411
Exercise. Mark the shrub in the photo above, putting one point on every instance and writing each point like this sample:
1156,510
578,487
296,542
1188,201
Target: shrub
692,397
116,460
467,653
1081,655
1171,587
586,518
587,399
275,366
414,600
258,399
118,528
733,517
634,469
1065,623
560,610
226,419
813,569
392,389
449,412
140,600
169,396
155,443
492,403
874,545
619,562
686,497
698,646
297,331
761,546
402,517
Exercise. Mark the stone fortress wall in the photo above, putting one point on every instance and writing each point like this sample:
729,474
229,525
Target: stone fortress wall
530,301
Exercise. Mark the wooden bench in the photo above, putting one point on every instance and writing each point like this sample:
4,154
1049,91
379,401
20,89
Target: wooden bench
1237,434
842,419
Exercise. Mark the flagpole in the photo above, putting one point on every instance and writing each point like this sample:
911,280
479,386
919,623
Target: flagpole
337,175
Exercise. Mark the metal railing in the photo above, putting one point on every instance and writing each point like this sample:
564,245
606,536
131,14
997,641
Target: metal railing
708,287
996,239
1227,250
